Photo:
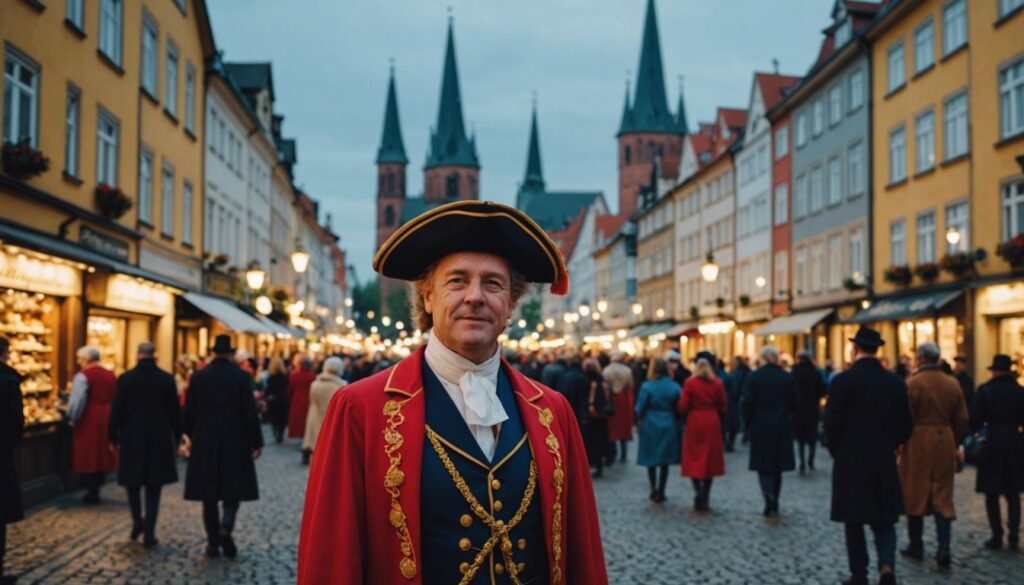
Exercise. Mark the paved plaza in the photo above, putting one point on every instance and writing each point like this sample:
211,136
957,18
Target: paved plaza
66,542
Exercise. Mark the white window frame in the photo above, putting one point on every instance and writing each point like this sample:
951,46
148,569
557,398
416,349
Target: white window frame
926,237
1011,99
835,105
1012,206
781,203
1008,6
955,124
111,29
857,251
924,45
835,261
835,180
190,96
954,26
800,197
958,216
171,66
818,117
150,74
72,131
898,154
896,73
856,169
108,131
75,12
146,165
856,89
801,129
781,273
924,141
781,141
898,243
816,187
817,265
186,212
167,199
15,90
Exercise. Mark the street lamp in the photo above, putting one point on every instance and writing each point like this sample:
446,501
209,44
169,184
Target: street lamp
255,276
567,317
602,306
521,323
709,270
348,301
660,313
263,305
637,309
760,282
385,320
300,258
549,323
953,236
584,309
399,325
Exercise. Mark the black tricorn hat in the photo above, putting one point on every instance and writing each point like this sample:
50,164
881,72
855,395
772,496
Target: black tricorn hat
1001,363
473,226
222,345
867,337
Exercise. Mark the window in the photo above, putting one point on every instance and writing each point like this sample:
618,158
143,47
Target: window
855,160
762,160
800,270
924,141
844,32
21,100
781,142
75,12
835,185
110,29
856,89
71,124
800,197
801,130
146,186
452,185
1011,99
957,216
955,123
857,252
149,55
171,81
817,261
190,97
181,5
781,273
835,105
107,131
924,46
817,197
897,243
898,154
954,26
835,262
818,120
1008,6
781,204
186,213
1013,209
926,237
896,74
167,200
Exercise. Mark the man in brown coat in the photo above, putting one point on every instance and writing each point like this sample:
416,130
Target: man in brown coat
927,462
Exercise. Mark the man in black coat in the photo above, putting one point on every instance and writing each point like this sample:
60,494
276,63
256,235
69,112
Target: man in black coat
552,373
805,422
222,438
576,389
770,399
145,427
866,419
999,408
12,422
964,377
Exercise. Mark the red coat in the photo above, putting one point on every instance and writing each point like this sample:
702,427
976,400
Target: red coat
298,402
90,451
361,524
620,425
703,403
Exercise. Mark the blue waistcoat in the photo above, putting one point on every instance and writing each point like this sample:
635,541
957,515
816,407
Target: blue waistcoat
451,534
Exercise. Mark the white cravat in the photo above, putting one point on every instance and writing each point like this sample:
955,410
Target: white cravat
473,388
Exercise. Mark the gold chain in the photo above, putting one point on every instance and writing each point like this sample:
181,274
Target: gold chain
499,530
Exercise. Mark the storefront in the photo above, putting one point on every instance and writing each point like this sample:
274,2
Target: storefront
124,311
718,337
202,318
999,326
795,332
906,322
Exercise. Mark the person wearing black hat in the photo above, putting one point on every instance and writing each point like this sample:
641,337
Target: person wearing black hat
999,411
223,438
867,417
452,466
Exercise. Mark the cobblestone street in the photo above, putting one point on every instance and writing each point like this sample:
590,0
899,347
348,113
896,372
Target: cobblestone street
65,542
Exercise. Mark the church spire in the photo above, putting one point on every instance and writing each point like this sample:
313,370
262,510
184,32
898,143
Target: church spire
534,179
626,124
392,149
650,104
449,145
681,125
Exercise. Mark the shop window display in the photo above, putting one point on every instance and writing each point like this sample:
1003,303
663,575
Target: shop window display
1011,342
29,321
107,335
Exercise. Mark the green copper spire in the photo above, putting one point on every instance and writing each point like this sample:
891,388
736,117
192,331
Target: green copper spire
650,111
392,149
626,124
681,125
449,144
534,179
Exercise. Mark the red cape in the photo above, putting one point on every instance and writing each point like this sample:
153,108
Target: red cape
361,523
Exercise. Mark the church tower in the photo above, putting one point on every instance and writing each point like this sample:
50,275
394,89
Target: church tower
452,170
391,163
648,131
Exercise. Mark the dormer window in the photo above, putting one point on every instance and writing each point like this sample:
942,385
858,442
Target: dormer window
843,33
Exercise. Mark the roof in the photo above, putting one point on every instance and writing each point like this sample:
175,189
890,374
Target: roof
287,149
392,149
553,210
650,111
568,238
449,145
252,77
734,117
774,87
608,225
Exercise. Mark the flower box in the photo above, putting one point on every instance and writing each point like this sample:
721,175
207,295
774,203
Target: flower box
927,271
959,264
851,284
900,275
22,161
112,202
1012,251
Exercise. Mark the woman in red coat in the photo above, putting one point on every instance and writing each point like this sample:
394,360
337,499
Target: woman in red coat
703,404
620,424
299,382
92,391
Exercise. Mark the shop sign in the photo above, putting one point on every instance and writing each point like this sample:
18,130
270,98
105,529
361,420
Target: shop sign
758,312
222,285
1001,299
183,269
38,276
127,294
97,242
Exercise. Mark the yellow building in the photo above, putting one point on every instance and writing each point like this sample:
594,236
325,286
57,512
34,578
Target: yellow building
948,83
97,243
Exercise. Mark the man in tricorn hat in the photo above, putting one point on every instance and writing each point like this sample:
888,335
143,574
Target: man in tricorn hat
866,419
451,466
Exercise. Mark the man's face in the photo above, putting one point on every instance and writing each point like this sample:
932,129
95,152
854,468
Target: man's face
470,301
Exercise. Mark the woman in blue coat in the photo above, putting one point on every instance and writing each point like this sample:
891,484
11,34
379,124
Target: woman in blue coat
659,428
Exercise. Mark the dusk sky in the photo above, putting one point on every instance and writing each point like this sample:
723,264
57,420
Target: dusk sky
331,60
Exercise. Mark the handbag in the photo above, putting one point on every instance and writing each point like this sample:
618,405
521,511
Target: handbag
976,446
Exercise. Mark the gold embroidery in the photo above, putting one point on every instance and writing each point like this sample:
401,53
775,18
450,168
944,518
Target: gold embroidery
558,477
393,479
499,530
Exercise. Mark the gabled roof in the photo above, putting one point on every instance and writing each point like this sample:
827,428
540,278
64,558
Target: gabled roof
774,87
570,236
608,225
553,210
734,117
392,149
449,145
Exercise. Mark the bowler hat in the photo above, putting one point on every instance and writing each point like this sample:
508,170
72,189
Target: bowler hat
706,355
223,344
1001,363
473,226
867,337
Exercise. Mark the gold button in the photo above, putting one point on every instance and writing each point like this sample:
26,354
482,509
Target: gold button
466,520
495,484
506,546
522,544
465,544
499,568
464,567
497,505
